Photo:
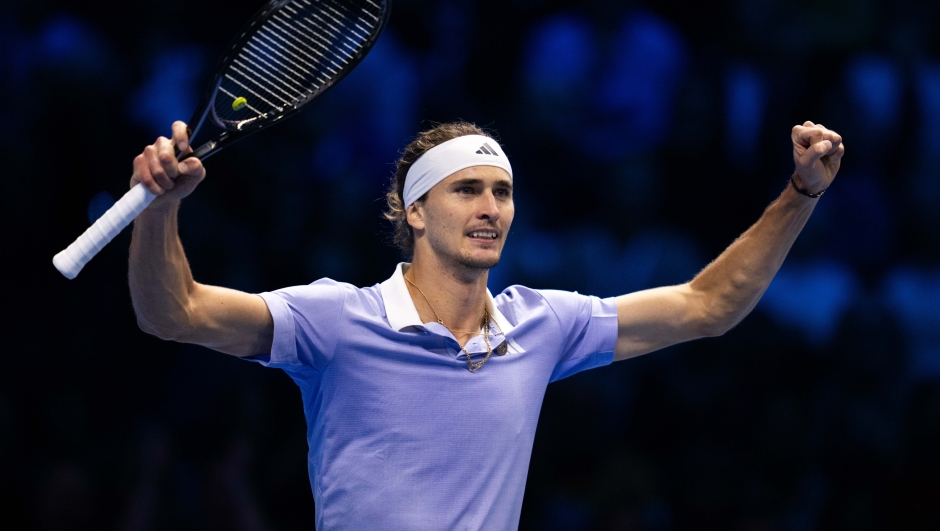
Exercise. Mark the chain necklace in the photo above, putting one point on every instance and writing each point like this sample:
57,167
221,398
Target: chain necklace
472,366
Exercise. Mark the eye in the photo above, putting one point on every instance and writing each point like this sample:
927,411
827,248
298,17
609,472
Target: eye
465,190
502,192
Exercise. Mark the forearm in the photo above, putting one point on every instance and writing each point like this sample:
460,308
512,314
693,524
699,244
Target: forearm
732,285
729,288
160,279
168,303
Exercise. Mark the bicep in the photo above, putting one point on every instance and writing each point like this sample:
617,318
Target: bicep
656,318
230,321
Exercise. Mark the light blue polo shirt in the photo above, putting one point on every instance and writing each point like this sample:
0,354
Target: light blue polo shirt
402,436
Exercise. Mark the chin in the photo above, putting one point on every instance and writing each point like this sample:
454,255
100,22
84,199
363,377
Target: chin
478,262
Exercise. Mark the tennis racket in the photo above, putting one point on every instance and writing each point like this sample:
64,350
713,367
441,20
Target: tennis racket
289,53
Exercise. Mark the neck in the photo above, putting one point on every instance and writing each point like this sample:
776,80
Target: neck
458,297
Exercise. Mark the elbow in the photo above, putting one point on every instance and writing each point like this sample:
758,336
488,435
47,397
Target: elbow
722,305
157,331
167,330
715,317
715,328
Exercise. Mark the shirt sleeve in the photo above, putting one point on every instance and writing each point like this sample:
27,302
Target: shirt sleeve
588,329
307,321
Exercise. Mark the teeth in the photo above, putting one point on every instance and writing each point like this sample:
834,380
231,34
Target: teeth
483,234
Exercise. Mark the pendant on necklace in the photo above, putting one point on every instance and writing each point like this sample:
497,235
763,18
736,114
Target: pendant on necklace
502,349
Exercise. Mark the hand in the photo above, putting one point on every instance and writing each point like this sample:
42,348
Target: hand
158,170
817,152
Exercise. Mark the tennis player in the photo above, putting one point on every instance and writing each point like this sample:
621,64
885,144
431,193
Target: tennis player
422,393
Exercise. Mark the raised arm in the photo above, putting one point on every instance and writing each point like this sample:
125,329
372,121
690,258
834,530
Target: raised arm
168,303
729,288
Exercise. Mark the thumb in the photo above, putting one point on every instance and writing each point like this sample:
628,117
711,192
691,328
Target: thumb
815,152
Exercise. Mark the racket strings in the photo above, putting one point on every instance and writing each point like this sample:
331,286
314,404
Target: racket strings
328,13
319,40
280,35
369,25
289,61
268,87
290,92
300,50
291,74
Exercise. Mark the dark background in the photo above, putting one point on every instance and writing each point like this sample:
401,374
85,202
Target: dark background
644,139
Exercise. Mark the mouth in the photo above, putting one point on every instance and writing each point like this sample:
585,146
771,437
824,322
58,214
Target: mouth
483,234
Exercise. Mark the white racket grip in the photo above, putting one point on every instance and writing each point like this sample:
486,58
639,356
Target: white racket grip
71,260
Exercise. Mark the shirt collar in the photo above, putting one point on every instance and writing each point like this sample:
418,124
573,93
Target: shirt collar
400,309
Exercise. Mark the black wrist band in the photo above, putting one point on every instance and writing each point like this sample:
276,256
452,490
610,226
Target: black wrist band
804,192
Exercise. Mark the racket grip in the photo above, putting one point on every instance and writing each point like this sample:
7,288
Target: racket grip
71,260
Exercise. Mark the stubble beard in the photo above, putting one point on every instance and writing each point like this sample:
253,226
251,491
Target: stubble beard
476,264
462,261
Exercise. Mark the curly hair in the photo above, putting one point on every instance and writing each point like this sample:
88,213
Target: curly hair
403,235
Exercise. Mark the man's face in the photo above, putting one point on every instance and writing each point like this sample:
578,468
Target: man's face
466,217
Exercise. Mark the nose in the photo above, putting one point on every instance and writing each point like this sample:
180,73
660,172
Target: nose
488,209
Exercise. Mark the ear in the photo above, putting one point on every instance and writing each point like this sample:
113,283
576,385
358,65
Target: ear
415,215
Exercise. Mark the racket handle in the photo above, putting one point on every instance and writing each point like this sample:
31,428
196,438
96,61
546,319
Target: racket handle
71,260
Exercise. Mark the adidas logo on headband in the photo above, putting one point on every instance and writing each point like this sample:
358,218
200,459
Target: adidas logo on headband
486,149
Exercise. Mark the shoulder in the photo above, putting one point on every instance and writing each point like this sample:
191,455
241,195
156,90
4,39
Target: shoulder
519,303
322,288
322,295
328,295
525,296
519,300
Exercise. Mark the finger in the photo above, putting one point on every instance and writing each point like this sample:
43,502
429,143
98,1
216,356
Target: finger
833,137
166,153
836,156
192,168
805,136
815,152
795,136
162,162
142,174
835,145
180,136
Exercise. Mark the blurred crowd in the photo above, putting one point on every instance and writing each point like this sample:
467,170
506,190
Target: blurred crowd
644,139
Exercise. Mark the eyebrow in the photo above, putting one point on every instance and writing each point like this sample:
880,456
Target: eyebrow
506,183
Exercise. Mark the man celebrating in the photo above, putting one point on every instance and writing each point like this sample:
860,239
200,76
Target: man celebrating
422,393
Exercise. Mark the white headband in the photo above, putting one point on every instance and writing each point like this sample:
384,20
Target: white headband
444,160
